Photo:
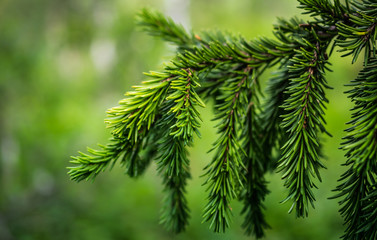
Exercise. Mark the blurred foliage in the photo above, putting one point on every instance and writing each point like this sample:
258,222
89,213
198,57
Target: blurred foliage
63,64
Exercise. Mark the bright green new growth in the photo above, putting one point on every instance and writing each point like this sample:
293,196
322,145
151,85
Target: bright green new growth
282,132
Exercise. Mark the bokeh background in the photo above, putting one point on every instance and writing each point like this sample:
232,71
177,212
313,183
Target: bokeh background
64,63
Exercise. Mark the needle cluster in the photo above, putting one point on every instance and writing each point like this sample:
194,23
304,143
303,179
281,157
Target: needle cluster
279,131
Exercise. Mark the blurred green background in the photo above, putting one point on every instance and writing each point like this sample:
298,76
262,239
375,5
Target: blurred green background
64,63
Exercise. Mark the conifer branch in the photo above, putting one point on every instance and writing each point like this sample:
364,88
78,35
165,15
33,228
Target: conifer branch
89,166
131,122
159,118
255,188
223,177
255,185
136,113
180,121
359,32
329,11
156,24
369,226
174,166
358,187
303,120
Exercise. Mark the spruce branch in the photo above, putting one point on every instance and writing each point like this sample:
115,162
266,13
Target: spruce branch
214,47
223,177
358,188
329,11
353,189
185,110
290,32
359,33
138,110
180,121
173,166
156,24
131,121
303,120
159,118
369,226
87,167
255,189
255,186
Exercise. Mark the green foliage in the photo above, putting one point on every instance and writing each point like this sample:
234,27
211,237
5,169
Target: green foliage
359,182
157,25
359,32
130,121
281,133
255,166
303,119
